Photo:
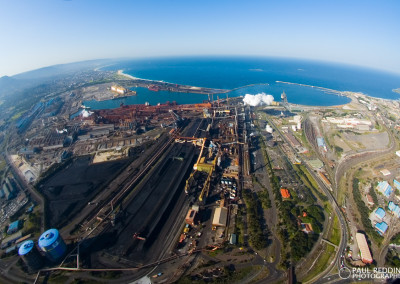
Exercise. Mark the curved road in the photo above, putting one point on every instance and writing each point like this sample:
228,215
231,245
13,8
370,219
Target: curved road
339,213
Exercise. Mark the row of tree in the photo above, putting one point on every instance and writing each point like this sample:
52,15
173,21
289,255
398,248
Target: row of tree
364,213
263,195
255,220
289,232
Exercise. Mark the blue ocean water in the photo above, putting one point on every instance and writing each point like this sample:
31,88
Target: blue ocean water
234,72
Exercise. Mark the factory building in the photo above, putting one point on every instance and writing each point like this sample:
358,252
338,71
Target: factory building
350,122
380,213
220,217
370,200
381,227
190,217
394,208
396,184
13,227
316,164
384,188
52,244
10,240
269,129
9,189
321,143
118,89
30,255
364,249
233,239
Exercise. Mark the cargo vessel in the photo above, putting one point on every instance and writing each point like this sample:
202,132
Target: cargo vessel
154,88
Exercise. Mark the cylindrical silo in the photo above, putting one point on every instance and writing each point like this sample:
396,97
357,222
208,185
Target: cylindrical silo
52,244
30,255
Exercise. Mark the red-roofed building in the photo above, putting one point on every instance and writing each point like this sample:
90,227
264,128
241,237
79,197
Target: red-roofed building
285,193
370,200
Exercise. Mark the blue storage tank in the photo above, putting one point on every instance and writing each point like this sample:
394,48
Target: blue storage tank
52,244
30,255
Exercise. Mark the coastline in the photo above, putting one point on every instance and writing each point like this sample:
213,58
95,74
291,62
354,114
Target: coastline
121,72
348,94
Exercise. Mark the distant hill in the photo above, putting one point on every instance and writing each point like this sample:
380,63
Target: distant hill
11,85
60,69
22,81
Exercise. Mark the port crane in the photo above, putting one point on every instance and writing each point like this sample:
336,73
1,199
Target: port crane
178,119
206,187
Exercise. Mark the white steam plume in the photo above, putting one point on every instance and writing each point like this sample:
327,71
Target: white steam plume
86,113
259,99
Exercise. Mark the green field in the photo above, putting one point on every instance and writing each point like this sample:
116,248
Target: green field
321,264
17,115
335,233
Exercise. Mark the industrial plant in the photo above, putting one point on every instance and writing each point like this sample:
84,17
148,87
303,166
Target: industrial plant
174,190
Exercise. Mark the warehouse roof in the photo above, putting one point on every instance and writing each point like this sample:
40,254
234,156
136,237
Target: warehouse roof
394,208
364,249
220,217
380,213
13,227
381,227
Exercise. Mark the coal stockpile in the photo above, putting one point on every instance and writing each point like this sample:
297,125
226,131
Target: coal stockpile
71,188
161,197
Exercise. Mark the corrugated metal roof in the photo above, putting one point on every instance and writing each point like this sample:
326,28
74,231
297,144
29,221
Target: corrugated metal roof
382,227
396,184
380,213
13,225
320,142
364,249
220,216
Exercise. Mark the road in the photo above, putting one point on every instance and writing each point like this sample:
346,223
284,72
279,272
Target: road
27,188
258,164
338,212
344,165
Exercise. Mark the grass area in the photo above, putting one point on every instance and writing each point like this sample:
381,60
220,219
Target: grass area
309,181
263,274
239,227
335,233
214,253
18,115
321,263
2,165
309,177
302,137
328,208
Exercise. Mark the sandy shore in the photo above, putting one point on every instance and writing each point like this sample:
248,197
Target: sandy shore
121,72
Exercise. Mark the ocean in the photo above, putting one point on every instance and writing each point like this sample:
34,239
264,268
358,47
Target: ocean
235,72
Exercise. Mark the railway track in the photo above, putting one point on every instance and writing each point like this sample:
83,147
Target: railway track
107,210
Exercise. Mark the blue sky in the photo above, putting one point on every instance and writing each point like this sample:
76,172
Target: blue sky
40,33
